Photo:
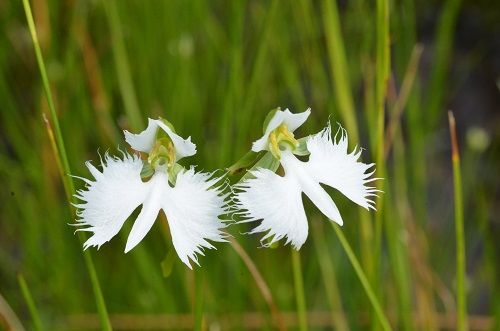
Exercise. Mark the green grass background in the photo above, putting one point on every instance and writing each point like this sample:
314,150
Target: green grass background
214,69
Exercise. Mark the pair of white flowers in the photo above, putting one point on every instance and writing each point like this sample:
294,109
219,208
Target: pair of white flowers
193,202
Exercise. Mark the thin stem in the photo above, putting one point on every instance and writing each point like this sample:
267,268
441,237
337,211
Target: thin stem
362,278
459,228
299,289
60,153
261,284
8,317
35,315
198,299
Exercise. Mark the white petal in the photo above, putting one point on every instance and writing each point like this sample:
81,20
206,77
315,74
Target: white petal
331,164
144,141
193,207
157,189
298,169
292,121
277,201
109,200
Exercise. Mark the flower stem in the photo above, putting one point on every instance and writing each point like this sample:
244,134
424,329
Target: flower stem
362,277
261,284
37,323
299,290
60,153
198,300
459,228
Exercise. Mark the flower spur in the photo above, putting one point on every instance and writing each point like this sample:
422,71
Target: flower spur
276,200
192,201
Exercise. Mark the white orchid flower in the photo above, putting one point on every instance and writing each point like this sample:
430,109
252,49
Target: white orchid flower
192,205
276,200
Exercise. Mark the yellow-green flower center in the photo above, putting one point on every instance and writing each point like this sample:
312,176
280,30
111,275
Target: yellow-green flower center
281,138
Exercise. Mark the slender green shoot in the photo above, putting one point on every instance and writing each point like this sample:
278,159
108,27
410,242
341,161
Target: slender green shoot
338,65
462,324
61,155
299,290
261,284
384,322
35,315
198,299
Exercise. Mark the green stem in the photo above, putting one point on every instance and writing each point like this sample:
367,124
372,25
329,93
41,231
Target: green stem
35,315
198,300
362,277
459,228
299,289
60,153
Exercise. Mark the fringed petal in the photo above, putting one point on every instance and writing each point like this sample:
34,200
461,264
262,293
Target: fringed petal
193,208
109,200
332,165
277,202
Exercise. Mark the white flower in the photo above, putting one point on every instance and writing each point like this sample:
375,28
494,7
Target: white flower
292,122
192,205
277,201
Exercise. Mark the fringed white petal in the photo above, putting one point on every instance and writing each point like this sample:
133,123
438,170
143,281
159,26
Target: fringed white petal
144,141
292,121
332,165
109,200
277,201
158,188
193,207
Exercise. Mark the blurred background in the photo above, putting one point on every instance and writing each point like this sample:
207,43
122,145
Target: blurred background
214,69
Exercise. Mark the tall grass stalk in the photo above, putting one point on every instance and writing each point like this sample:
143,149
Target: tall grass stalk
328,273
300,298
381,78
344,98
199,284
384,322
459,227
60,153
261,284
35,315
338,66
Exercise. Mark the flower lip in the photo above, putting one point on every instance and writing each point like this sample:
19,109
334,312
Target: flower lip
145,140
290,120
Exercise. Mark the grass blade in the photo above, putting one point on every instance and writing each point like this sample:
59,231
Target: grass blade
35,315
61,155
459,227
338,65
362,278
299,290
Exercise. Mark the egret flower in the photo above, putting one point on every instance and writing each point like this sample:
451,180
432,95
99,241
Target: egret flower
276,200
192,201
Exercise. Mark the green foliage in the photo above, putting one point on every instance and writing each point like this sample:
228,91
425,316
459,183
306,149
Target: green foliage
214,69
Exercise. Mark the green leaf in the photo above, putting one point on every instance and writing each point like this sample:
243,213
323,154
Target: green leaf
268,119
268,161
301,149
147,170
167,123
245,162
173,171
167,265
